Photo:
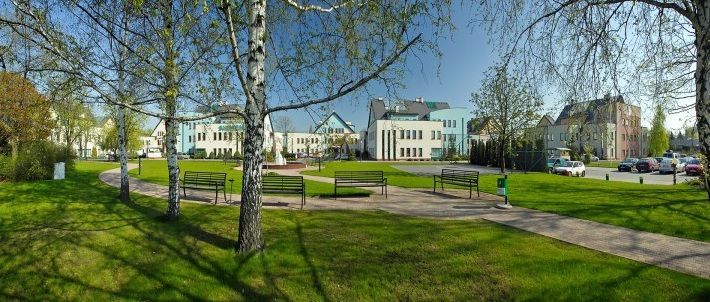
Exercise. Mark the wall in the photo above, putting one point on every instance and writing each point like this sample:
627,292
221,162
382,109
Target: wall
390,140
454,126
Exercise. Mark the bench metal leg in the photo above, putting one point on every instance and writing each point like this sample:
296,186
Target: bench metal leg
434,184
477,191
184,192
470,188
385,191
225,194
335,191
216,194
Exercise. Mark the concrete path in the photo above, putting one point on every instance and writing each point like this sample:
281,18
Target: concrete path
683,255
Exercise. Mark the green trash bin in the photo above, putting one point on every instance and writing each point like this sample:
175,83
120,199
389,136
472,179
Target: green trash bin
502,186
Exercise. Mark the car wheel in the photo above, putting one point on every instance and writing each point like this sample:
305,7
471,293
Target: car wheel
584,173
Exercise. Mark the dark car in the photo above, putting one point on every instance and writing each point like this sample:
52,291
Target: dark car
693,167
647,165
628,164
659,159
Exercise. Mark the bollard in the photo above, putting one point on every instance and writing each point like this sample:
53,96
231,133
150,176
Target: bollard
675,172
641,179
318,164
607,176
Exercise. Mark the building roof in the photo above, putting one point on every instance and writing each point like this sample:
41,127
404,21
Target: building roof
382,109
337,116
479,125
586,109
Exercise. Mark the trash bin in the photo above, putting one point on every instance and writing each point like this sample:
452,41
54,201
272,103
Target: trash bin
502,186
59,171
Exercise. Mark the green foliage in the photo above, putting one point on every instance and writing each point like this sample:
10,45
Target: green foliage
94,152
211,155
200,154
269,156
658,137
109,137
35,161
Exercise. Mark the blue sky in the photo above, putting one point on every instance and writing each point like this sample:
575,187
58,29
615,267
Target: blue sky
466,56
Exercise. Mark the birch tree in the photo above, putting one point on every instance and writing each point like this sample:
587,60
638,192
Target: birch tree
322,51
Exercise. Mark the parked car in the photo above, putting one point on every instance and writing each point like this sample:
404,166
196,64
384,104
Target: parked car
628,164
181,155
572,168
154,153
671,154
648,164
554,162
659,159
682,162
666,166
594,158
693,167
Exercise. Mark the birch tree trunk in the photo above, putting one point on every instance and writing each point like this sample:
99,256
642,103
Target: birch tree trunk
171,92
122,156
702,82
250,237
122,137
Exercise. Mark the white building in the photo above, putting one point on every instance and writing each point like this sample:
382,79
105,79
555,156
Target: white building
331,136
414,130
214,135
85,143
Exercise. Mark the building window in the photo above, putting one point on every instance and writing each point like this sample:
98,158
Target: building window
438,135
189,138
414,134
401,152
562,136
230,136
444,137
454,123
595,136
420,134
409,154
401,134
420,152
214,136
409,134
220,135
433,134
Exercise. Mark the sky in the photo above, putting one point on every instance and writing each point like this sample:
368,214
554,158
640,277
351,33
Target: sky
466,56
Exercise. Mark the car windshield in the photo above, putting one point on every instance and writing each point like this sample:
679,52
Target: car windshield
628,160
693,162
551,160
569,164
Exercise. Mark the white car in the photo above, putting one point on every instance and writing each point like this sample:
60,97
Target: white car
666,166
572,168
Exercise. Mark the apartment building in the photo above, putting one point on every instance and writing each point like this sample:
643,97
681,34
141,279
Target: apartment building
608,127
414,130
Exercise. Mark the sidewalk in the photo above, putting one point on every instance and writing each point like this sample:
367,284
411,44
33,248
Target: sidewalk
683,255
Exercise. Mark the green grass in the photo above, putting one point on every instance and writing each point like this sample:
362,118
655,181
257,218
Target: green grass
156,171
680,210
604,164
72,240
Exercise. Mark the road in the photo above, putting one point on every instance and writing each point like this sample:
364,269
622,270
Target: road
648,178
592,172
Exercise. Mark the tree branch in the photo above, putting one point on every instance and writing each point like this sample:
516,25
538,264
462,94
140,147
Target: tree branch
341,92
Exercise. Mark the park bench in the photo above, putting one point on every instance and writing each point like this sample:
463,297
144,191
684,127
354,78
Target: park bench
360,179
280,184
465,178
197,180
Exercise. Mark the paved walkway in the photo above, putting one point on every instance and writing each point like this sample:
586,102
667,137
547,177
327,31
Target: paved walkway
683,255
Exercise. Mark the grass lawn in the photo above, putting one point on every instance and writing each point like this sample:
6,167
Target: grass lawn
680,210
72,240
156,171
604,164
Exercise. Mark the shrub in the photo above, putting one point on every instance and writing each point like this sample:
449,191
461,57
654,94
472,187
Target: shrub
35,161
211,156
200,154
94,153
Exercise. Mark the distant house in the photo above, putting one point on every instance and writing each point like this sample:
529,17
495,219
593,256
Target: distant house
480,129
607,127
332,135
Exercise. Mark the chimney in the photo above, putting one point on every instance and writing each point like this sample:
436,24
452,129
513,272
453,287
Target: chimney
419,99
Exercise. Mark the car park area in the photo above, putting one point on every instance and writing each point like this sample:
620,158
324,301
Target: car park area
648,178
